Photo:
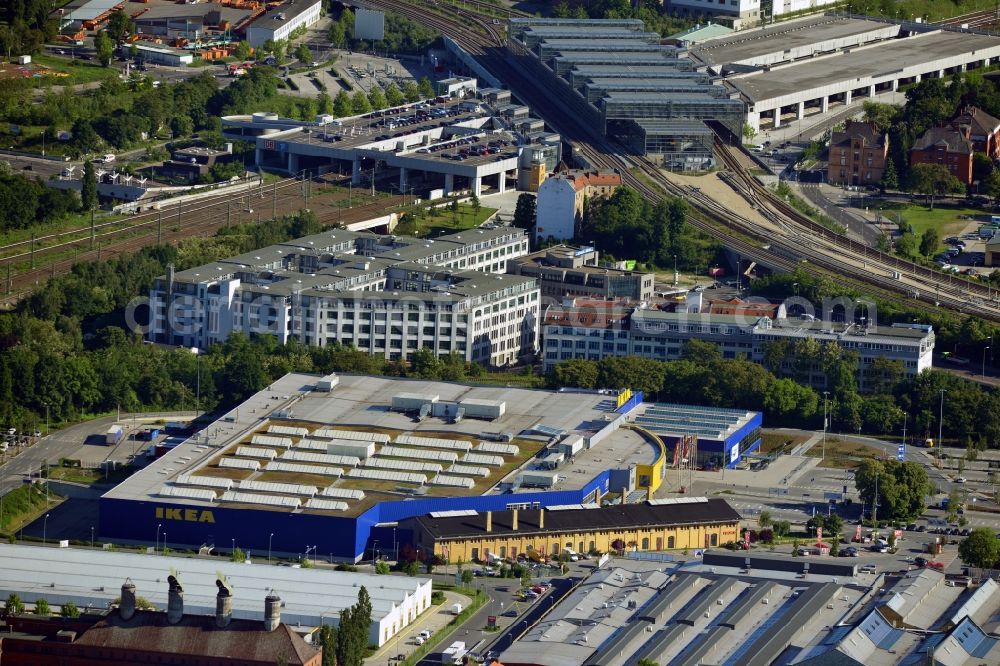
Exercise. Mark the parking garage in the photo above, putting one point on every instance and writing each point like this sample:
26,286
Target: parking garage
436,147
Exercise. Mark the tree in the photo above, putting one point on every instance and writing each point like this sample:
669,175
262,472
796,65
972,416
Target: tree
890,180
929,241
992,186
238,555
328,643
477,205
42,607
933,180
120,26
381,567
70,610
303,54
525,211
14,605
411,568
376,98
834,547
429,566
575,372
337,34
411,92
342,105
359,103
645,661
467,576
902,487
242,50
393,95
88,191
425,87
764,519
749,132
982,167
105,48
981,549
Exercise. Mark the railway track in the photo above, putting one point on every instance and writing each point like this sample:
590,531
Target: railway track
983,19
199,220
791,240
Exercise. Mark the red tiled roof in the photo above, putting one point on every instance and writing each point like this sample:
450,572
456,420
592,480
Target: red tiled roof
735,306
581,179
591,317
243,641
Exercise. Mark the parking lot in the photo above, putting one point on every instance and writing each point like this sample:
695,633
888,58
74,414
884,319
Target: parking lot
360,72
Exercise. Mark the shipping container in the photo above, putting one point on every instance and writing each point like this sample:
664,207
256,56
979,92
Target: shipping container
327,383
483,409
411,402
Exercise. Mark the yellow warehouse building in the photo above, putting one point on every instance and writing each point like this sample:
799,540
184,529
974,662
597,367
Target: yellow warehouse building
684,523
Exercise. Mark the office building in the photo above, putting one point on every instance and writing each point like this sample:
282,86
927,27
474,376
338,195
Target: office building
565,271
569,332
385,295
280,21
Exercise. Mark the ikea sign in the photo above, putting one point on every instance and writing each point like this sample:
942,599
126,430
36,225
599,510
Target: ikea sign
187,515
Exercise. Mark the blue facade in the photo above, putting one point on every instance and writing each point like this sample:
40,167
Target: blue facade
343,538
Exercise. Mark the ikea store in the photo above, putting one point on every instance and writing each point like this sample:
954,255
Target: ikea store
333,466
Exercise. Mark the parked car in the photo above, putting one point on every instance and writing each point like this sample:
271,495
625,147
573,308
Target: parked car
920,562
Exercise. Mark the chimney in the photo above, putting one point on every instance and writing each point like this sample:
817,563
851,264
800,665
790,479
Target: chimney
489,521
513,519
175,600
126,609
541,519
223,604
272,611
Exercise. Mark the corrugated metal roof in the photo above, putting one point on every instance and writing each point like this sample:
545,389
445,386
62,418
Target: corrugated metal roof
420,454
280,488
386,475
326,505
238,463
255,498
203,494
297,468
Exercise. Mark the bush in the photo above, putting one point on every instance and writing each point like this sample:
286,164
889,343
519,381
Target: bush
766,536
345,567
437,597
42,607
70,610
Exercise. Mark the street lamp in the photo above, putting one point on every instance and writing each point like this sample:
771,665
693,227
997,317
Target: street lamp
941,420
826,419
985,349
269,547
91,536
45,529
163,550
157,537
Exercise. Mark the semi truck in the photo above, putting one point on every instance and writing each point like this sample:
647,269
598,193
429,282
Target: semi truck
114,435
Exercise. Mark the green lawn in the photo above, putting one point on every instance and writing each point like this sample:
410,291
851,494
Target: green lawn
439,221
948,220
80,71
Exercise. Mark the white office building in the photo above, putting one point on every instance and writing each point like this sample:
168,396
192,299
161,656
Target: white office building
385,295
279,22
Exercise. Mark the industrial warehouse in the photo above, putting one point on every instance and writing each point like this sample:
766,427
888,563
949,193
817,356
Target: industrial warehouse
339,462
786,610
665,524
438,147
650,96
309,597
820,64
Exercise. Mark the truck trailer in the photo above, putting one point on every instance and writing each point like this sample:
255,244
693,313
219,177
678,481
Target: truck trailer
114,435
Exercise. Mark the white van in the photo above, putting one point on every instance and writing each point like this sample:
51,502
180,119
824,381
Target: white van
107,159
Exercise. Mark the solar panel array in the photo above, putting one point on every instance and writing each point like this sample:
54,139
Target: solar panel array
469,470
342,493
419,454
359,435
386,475
278,488
677,500
308,456
287,430
482,459
297,468
434,443
203,494
240,463
326,505
452,481
498,447
255,452
205,481
405,465
254,498
265,440
312,445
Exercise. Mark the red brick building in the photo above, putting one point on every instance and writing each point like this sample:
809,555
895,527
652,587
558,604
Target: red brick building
982,129
948,146
128,635
858,155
